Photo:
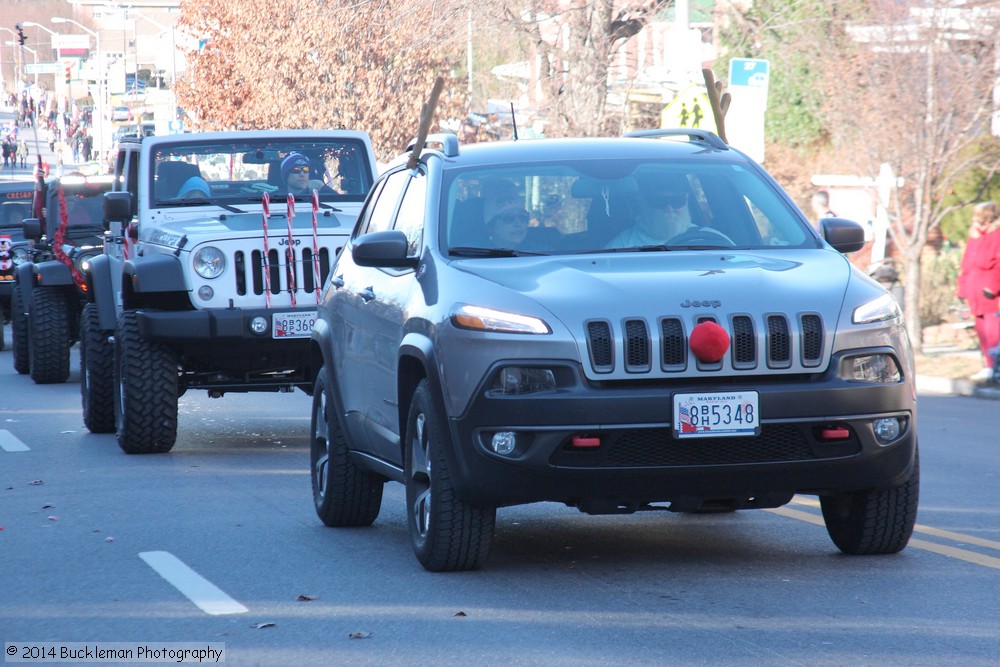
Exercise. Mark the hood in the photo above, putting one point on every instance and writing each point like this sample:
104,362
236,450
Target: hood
202,222
686,284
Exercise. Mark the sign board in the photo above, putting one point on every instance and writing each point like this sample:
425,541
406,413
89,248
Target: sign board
748,81
42,68
691,109
67,42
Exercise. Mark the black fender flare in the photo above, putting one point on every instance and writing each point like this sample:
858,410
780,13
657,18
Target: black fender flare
416,349
52,273
24,276
154,273
102,291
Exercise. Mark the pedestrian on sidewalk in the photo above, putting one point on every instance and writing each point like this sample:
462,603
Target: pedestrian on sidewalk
22,153
979,280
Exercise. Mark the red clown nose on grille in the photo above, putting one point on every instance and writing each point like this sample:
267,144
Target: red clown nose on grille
709,342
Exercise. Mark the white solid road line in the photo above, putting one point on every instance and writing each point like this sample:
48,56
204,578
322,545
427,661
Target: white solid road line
10,443
206,595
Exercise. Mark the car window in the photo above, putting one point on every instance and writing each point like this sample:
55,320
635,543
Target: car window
382,207
410,219
592,205
233,172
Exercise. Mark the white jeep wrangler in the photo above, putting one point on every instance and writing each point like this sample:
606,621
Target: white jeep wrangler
212,271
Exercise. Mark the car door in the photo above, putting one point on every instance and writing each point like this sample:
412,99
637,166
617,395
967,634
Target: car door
353,342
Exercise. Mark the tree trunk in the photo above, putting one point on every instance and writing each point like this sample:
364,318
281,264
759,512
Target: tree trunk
911,298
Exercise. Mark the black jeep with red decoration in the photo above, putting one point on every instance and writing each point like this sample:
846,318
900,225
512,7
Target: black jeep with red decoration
49,288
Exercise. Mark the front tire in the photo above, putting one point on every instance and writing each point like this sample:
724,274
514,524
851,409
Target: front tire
343,494
48,326
145,383
97,357
448,533
19,331
873,521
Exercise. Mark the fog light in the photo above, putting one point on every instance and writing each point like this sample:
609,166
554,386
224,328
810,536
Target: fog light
258,325
504,442
205,293
887,429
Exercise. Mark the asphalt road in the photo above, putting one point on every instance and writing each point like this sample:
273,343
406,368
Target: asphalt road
217,543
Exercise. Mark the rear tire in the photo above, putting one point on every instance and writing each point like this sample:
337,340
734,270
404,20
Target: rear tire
873,521
97,357
448,533
48,326
343,494
19,331
145,383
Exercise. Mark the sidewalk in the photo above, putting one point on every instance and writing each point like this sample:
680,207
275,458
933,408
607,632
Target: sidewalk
952,386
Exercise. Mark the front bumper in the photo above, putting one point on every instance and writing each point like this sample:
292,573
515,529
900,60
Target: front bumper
218,350
639,460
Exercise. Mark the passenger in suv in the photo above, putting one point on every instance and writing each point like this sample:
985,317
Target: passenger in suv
731,366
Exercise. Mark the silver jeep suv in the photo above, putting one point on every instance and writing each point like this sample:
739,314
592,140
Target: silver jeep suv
614,324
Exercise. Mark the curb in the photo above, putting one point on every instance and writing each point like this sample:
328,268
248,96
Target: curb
928,384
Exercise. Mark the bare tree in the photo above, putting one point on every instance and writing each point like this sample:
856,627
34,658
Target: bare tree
573,42
916,92
322,63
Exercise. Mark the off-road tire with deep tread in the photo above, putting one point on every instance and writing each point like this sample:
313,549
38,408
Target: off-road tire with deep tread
48,328
145,395
344,495
873,521
19,331
97,357
448,533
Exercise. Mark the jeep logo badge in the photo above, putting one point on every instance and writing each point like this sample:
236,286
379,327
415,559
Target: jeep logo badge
688,303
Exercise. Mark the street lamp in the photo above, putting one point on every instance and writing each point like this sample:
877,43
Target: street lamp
32,24
29,50
101,87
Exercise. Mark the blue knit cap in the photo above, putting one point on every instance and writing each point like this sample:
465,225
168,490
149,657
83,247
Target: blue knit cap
194,183
293,160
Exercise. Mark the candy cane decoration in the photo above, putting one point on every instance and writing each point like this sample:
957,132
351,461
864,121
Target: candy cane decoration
266,201
316,276
290,253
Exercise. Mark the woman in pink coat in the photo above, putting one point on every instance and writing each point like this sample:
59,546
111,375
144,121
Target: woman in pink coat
979,279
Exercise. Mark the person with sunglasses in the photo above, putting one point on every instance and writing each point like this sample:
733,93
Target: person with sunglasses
297,173
506,222
662,214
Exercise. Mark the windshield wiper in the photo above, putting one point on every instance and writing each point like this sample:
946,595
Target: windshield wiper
644,248
469,251
196,202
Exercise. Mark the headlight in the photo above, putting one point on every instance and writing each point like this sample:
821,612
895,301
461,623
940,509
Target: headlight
19,255
82,259
877,368
878,310
209,262
487,319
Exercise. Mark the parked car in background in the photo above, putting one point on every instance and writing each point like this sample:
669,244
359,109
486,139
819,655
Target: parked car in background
618,325
121,112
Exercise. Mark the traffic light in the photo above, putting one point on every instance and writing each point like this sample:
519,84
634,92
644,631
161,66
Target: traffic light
20,34
69,71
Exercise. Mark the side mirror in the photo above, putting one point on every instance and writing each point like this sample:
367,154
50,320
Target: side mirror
32,228
383,249
844,235
117,207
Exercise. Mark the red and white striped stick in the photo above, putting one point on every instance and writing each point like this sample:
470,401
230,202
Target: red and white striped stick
290,253
316,276
266,201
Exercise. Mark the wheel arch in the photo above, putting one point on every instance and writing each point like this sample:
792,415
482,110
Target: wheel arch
416,362
102,291
156,281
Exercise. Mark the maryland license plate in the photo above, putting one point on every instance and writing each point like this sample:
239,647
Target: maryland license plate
716,414
293,325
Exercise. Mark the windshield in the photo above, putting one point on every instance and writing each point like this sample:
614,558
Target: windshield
623,205
233,173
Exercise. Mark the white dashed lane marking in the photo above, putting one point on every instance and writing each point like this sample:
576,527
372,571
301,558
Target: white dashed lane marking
206,595
10,443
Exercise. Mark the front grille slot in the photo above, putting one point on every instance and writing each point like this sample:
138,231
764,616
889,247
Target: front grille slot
744,343
812,340
673,344
637,348
779,346
600,343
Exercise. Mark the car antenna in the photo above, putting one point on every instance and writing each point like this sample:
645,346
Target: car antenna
513,120
426,116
